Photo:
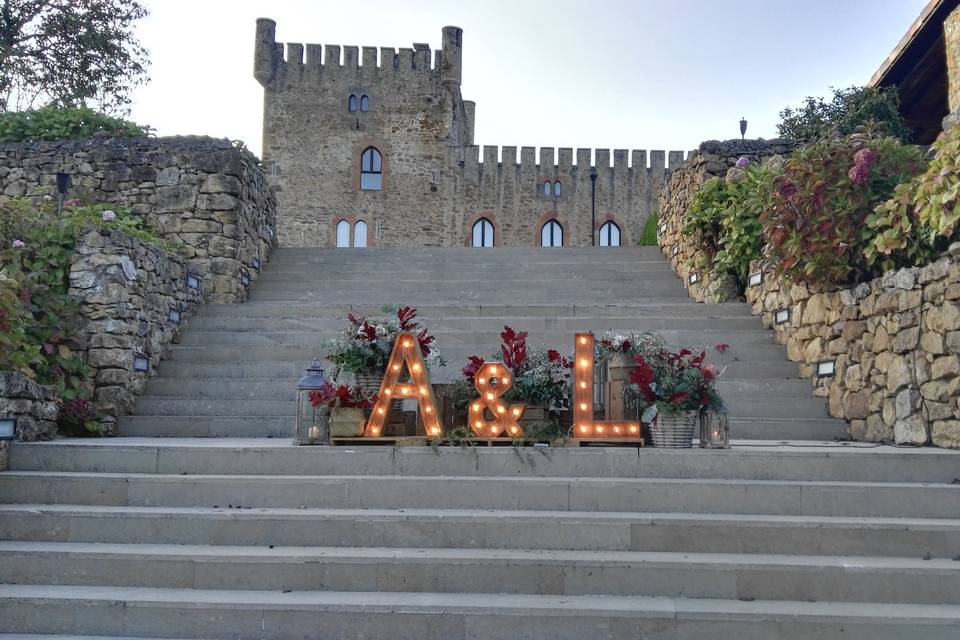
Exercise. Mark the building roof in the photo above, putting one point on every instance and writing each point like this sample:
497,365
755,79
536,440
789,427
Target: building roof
917,66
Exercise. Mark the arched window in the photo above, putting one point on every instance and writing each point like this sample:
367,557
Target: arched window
551,234
352,103
556,189
609,235
360,234
546,187
343,234
482,233
370,170
364,104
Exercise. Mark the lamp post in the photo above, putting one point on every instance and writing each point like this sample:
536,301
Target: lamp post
313,423
593,206
743,128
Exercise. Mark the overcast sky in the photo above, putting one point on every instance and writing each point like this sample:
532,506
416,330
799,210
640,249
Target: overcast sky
636,74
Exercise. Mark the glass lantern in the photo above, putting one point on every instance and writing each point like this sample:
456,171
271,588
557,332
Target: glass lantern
313,423
714,430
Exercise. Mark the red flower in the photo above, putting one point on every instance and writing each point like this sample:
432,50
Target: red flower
425,340
678,397
368,332
406,317
514,349
643,376
723,346
553,355
470,371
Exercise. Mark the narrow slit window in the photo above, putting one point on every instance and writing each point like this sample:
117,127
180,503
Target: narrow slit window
547,187
364,104
557,189
352,103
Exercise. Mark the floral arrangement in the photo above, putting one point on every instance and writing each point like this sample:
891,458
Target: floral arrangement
612,343
541,376
341,396
673,382
364,346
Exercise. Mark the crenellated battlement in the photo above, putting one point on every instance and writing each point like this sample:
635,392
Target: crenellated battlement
567,160
273,59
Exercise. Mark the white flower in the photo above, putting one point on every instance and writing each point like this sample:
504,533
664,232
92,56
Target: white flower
109,215
19,244
47,197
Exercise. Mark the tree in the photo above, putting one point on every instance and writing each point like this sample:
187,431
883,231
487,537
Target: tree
70,53
850,109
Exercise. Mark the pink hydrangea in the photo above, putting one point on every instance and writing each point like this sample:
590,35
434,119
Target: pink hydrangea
109,215
19,244
865,156
742,161
859,173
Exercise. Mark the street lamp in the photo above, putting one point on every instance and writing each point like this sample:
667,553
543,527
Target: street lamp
743,128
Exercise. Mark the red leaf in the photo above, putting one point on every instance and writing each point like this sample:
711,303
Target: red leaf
722,347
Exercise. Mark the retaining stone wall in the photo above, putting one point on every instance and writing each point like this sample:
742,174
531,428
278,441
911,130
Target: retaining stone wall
202,193
895,344
34,405
126,289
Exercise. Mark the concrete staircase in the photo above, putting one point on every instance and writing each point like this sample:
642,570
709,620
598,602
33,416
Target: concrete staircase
236,538
232,536
235,370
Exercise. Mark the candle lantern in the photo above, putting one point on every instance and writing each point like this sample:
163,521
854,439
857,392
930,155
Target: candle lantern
714,430
313,423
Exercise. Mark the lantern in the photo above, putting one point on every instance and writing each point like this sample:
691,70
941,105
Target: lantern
313,423
714,430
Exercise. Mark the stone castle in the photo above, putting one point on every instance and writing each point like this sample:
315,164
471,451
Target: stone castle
368,150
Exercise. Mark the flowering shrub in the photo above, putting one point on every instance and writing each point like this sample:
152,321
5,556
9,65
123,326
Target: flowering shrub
78,413
364,346
724,217
815,222
540,376
668,382
343,396
921,219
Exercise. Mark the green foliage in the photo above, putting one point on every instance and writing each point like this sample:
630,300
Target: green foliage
648,237
724,218
815,224
70,53
37,246
849,111
52,123
920,220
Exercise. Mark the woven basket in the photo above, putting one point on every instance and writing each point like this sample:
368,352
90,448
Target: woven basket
371,387
674,431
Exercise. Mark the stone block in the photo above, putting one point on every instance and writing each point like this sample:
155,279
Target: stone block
912,430
946,433
945,366
899,374
907,402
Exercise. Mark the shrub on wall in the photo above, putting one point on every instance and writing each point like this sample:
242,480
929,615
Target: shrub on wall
847,112
815,222
724,218
54,123
648,237
921,219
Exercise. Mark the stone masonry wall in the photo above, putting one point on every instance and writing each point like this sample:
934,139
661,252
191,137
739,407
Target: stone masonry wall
127,290
34,405
894,342
201,193
712,159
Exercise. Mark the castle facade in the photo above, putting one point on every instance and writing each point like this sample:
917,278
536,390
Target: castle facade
374,147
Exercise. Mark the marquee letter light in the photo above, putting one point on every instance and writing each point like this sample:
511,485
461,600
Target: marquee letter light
406,351
584,426
505,418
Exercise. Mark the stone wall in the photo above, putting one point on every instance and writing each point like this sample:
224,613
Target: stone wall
34,405
436,183
201,193
713,159
127,291
894,343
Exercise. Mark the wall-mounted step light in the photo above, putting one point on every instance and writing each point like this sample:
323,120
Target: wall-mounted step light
193,281
255,264
244,280
174,315
754,279
782,316
8,427
662,229
141,362
825,368
694,278
270,230
676,249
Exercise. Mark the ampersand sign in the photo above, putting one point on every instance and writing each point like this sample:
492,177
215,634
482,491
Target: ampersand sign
493,380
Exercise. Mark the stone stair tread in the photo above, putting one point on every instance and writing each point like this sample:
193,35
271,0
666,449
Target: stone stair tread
517,604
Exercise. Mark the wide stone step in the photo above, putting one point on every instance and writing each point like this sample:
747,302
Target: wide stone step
260,615
419,294
832,462
494,529
305,350
784,497
640,308
695,575
491,325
